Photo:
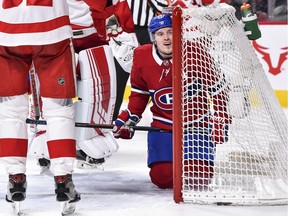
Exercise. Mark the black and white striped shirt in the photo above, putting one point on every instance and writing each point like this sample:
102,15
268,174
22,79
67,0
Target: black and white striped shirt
144,10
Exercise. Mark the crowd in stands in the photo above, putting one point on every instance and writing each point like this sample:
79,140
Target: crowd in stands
272,10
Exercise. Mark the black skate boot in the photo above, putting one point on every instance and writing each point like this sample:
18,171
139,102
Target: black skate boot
84,161
66,193
16,188
65,189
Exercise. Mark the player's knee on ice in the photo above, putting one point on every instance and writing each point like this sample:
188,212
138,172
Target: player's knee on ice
161,174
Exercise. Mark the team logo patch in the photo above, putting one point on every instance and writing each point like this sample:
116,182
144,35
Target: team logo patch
163,98
61,81
165,62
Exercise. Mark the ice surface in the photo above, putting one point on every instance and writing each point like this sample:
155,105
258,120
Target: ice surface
122,189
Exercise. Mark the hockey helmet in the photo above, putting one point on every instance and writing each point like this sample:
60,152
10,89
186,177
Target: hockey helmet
159,22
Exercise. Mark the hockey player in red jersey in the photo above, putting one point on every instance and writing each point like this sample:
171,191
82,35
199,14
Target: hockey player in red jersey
93,145
43,37
153,78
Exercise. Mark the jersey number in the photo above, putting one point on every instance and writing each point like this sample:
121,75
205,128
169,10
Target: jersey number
15,3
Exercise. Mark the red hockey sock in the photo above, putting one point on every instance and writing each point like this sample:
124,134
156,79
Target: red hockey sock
161,174
200,171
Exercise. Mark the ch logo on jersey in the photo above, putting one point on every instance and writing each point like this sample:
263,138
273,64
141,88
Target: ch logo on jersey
163,98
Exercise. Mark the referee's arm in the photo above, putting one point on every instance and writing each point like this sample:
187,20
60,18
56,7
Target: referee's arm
158,5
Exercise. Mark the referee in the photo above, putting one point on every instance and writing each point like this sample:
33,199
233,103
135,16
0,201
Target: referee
143,11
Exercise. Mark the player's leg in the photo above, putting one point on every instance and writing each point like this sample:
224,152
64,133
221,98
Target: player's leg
57,86
161,174
14,144
97,95
13,112
160,159
200,160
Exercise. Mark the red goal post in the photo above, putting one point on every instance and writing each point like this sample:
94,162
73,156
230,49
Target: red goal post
230,140
177,127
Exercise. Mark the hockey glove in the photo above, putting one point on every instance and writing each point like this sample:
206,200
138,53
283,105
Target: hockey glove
124,125
123,49
220,127
113,20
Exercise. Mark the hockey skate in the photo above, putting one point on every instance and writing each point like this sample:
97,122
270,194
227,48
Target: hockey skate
16,191
66,193
86,162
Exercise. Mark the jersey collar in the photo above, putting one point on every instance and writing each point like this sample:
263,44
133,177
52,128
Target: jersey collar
157,56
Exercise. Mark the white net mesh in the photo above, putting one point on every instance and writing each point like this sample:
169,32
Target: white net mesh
234,130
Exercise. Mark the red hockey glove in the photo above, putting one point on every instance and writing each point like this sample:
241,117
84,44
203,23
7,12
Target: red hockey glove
113,20
124,125
220,127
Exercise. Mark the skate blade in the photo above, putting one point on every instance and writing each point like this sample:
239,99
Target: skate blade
17,209
83,165
67,208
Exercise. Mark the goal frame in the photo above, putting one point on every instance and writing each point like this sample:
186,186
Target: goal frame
177,126
268,108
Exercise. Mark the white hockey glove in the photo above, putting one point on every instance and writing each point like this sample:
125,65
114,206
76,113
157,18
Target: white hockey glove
113,20
124,125
122,48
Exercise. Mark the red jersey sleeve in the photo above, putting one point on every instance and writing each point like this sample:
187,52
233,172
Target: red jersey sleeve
139,96
98,5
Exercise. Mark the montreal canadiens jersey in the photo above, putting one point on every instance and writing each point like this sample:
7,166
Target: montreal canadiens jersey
30,22
151,76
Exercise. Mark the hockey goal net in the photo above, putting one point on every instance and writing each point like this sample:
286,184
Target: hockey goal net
229,131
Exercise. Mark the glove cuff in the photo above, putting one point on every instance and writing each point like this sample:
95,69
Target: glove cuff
134,119
122,118
125,117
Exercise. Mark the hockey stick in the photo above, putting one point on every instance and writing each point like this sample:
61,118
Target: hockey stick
103,126
34,92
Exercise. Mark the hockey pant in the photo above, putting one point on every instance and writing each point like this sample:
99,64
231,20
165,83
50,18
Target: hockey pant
198,158
13,133
197,146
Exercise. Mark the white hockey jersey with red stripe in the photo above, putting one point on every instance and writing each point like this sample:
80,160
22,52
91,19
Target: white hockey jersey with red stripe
79,13
30,22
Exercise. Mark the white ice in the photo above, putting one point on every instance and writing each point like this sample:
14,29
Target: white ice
122,189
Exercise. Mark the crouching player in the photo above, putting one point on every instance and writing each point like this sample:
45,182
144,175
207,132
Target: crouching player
153,78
